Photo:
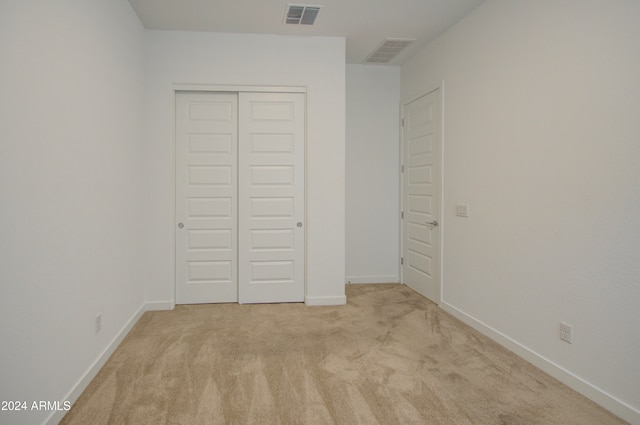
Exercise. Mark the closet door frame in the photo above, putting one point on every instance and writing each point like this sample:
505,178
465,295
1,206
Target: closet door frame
228,89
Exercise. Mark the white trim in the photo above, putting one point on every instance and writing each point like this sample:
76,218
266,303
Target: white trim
372,279
160,305
238,88
173,282
317,301
401,203
306,195
443,218
401,193
598,395
422,93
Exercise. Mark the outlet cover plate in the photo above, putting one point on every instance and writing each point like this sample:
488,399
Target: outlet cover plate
566,332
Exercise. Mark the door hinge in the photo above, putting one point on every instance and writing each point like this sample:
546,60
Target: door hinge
402,168
403,122
401,261
401,214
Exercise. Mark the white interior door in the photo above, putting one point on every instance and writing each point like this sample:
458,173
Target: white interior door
421,145
206,197
271,203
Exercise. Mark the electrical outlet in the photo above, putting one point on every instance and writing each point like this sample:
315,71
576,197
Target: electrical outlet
566,332
98,322
462,210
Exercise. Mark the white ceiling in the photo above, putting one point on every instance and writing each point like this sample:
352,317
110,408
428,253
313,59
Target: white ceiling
364,23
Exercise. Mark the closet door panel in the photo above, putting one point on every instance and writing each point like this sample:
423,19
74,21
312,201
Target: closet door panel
206,197
271,197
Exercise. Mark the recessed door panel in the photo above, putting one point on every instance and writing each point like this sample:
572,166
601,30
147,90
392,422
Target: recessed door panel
210,143
208,207
270,110
272,143
218,239
272,239
204,108
209,272
419,174
270,272
209,175
271,207
272,175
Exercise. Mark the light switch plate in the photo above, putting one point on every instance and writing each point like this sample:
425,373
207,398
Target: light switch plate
462,210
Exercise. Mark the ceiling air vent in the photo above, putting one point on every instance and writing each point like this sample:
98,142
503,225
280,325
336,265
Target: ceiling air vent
301,14
388,50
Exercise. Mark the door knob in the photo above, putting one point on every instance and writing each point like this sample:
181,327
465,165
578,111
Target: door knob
299,224
433,223
180,225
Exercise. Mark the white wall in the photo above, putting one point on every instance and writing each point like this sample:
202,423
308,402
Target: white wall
71,89
373,99
243,59
542,141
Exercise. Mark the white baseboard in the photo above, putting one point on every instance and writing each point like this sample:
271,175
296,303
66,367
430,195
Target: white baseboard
317,301
160,305
372,279
93,370
601,397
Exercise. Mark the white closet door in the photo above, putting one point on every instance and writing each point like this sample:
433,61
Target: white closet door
271,197
206,197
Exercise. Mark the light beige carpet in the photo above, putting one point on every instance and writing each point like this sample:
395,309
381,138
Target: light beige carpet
388,357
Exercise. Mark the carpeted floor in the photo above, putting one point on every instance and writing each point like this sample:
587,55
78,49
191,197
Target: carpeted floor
388,357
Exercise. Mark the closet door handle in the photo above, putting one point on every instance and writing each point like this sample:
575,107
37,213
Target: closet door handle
299,224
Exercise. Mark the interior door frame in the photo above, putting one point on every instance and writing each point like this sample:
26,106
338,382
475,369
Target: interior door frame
224,88
403,104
